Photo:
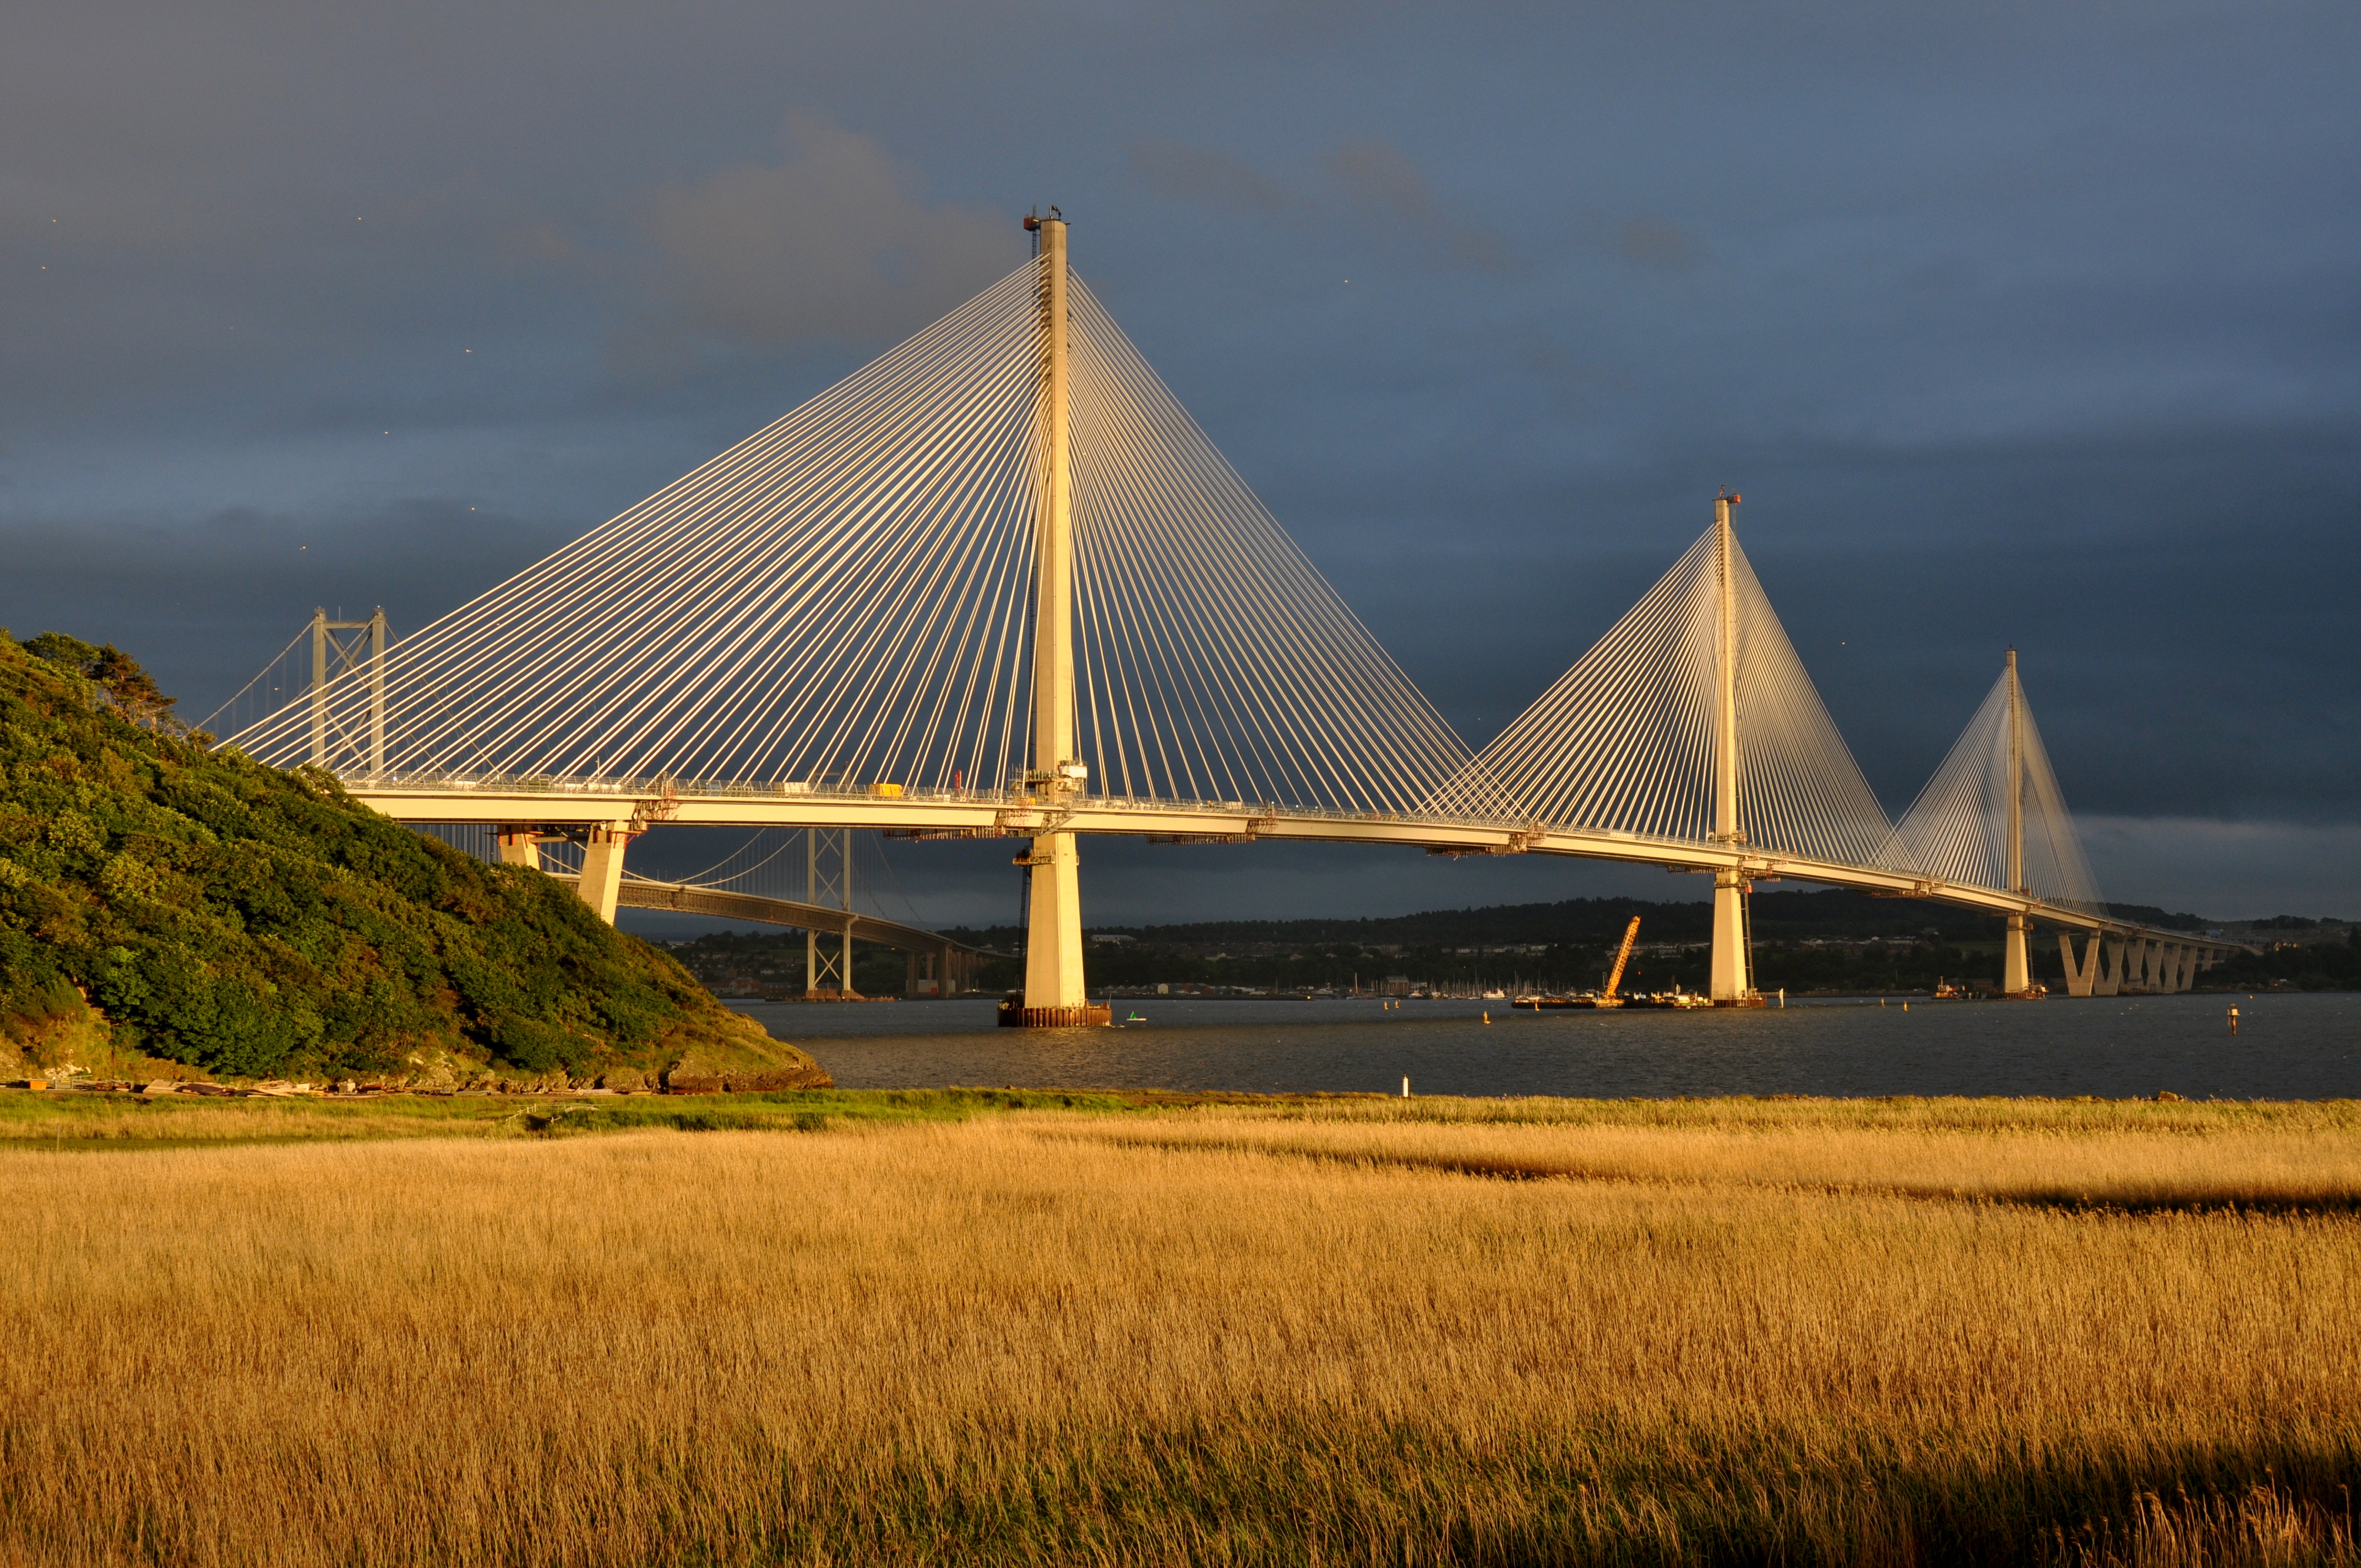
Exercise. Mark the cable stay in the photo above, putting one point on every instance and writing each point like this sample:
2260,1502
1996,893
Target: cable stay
999,583
843,598
1961,828
1624,742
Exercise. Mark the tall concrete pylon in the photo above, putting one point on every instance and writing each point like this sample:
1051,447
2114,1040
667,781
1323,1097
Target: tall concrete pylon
1054,993
1733,981
2016,967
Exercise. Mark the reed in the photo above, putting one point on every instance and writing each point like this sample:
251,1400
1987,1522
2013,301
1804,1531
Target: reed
1209,1335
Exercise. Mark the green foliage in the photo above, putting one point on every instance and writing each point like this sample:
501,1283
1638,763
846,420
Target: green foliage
115,673
252,922
2325,963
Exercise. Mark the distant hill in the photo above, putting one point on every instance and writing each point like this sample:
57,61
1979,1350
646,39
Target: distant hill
1778,916
164,903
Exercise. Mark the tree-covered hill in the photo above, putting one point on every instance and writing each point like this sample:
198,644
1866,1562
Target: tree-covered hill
163,900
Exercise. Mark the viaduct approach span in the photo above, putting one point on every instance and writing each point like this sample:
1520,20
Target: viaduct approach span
999,584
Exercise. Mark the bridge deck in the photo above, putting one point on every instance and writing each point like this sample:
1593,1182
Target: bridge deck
688,898
644,804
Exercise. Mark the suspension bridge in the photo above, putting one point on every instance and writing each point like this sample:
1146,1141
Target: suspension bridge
999,584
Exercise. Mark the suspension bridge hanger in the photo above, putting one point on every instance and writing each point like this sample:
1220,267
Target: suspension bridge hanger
1000,583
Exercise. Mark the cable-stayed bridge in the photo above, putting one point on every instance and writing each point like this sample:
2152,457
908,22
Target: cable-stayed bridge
999,584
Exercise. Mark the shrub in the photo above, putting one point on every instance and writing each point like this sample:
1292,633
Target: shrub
250,921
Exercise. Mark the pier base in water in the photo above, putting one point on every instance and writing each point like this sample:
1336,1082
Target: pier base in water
1015,1015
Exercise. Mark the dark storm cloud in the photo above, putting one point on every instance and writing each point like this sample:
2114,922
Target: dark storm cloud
159,587
1381,181
2023,324
1657,242
1218,179
1371,181
835,241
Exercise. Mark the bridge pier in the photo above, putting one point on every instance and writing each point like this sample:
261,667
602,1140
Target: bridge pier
1733,982
937,972
2016,963
1055,996
519,847
602,868
2111,973
2081,978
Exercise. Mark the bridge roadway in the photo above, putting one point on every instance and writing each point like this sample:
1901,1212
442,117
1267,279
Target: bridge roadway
690,898
939,965
632,806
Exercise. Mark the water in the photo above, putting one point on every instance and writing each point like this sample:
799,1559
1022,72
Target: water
2288,1047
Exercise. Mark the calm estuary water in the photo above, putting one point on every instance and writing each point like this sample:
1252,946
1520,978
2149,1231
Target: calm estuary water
2288,1047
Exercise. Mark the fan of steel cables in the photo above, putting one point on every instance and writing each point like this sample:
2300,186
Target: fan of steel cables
1214,661
1957,827
1624,742
845,597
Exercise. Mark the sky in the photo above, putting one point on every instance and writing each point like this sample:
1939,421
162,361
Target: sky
2016,325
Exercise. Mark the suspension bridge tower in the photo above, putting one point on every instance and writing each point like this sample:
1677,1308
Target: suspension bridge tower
1733,979
1054,993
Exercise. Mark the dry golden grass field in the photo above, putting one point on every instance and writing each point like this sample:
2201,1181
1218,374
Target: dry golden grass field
1351,1333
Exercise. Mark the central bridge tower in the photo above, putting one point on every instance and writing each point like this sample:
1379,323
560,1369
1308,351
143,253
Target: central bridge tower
1054,993
1733,978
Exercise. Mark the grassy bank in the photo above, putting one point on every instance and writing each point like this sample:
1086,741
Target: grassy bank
965,1328
170,910
74,1120
96,1123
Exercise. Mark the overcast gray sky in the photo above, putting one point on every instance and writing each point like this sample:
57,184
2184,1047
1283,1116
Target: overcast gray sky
2016,323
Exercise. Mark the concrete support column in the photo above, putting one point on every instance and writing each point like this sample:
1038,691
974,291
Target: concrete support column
2017,964
519,847
1732,983
1733,980
1054,994
2080,977
602,868
2111,973
1053,934
2143,956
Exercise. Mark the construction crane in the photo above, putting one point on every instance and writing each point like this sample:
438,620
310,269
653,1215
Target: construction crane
1622,956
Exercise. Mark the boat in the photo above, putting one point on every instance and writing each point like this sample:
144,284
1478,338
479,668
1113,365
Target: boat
1610,996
